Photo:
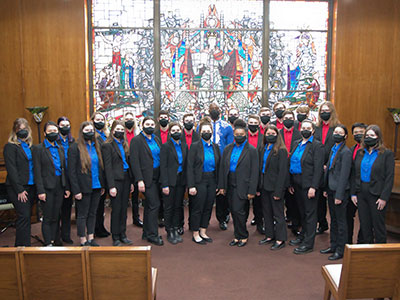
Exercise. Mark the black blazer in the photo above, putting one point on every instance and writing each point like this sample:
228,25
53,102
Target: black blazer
80,182
17,166
296,136
195,137
312,164
329,142
141,159
247,170
169,164
113,163
196,160
276,166
44,170
337,178
382,174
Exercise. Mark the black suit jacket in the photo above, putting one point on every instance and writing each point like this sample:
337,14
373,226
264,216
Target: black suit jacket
382,174
296,136
44,170
312,164
337,178
329,142
196,160
195,137
169,164
141,159
17,166
247,170
113,163
276,172
80,182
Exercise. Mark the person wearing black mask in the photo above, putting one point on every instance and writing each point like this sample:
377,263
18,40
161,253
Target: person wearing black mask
115,154
278,108
233,115
272,183
373,183
306,169
358,130
163,120
145,162
51,181
265,117
337,181
202,176
65,140
87,180
20,181
173,181
238,179
303,112
100,134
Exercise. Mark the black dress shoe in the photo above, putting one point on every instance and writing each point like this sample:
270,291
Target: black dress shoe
102,233
68,241
58,243
327,251
242,243
116,243
277,246
156,240
85,244
228,217
202,242
302,250
177,236
253,222
208,240
295,242
161,223
335,256
126,241
93,243
171,237
233,243
265,241
181,231
321,230
138,223
223,226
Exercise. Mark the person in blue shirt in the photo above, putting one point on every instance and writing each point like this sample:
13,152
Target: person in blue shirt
115,152
238,179
373,180
86,176
65,140
202,176
51,181
337,181
20,181
173,156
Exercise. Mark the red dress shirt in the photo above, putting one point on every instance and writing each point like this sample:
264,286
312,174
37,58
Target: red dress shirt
253,139
164,136
189,137
325,129
288,134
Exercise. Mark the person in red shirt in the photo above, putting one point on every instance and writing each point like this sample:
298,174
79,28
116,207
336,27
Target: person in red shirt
163,120
265,117
130,126
278,108
189,135
303,112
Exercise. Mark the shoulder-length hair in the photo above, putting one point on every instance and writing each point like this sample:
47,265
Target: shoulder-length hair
86,162
13,139
379,146
63,118
333,120
110,138
105,129
279,144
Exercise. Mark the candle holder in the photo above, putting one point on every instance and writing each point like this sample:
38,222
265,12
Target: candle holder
396,118
38,114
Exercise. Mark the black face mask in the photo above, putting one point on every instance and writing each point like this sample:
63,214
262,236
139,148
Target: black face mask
188,125
253,128
271,139
279,113
52,136
370,142
301,117
65,130
119,134
358,137
265,119
176,135
99,125
338,138
163,122
148,130
232,119
239,139
206,136
214,114
129,124
22,134
306,133
288,123
88,136
325,116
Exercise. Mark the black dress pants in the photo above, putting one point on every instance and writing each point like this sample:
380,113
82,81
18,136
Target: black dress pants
258,210
135,204
221,208
119,207
99,227
322,209
273,210
292,210
152,206
351,214
87,208
237,207
173,204
65,224
338,230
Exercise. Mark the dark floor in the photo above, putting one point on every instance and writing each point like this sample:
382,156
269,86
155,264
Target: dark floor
218,271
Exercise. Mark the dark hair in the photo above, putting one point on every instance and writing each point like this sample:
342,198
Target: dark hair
375,128
214,106
147,118
256,117
358,124
47,124
63,118
288,112
163,112
343,127
187,115
239,124
279,144
172,124
110,138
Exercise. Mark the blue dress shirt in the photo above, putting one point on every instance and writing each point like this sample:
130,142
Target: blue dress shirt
222,134
366,164
65,145
236,151
334,150
102,134
179,153
155,150
28,153
55,156
94,159
295,160
209,159
122,151
266,154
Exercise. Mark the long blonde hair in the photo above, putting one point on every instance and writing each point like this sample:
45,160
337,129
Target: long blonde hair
333,120
86,162
13,139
